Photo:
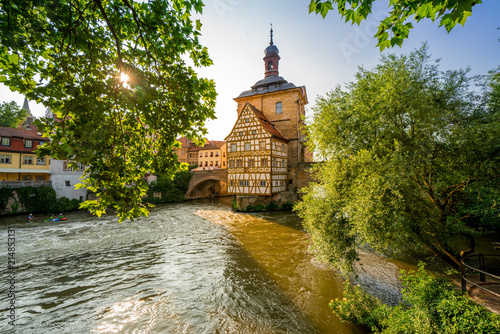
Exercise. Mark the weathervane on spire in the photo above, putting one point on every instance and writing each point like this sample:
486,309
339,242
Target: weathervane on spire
271,43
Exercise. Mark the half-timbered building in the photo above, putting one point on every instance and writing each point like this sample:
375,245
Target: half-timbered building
266,145
257,155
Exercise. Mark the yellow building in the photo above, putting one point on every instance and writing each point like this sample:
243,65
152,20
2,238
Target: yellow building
212,156
18,161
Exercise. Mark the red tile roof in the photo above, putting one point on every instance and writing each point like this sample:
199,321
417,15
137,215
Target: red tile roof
20,133
212,144
266,123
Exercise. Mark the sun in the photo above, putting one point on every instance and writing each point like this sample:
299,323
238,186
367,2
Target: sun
124,78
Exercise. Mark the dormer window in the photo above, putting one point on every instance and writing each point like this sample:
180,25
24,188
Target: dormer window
5,141
28,143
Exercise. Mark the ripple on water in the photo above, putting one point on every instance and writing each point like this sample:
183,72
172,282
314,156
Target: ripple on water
174,272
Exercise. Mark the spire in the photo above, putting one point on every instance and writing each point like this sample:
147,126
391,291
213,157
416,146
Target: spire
27,107
271,42
271,58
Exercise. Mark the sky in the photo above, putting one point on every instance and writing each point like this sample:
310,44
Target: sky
317,53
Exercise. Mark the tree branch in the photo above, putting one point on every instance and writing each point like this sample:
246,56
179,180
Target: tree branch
110,26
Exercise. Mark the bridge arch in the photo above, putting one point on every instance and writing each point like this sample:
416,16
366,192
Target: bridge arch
207,184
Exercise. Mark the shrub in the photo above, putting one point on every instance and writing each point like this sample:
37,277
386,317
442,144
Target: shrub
272,206
430,305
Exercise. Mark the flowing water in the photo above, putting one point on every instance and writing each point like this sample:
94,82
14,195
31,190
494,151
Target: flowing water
194,267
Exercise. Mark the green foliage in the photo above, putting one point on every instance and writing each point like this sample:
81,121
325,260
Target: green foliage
11,115
171,190
394,28
286,206
35,200
5,194
430,306
120,130
271,206
411,154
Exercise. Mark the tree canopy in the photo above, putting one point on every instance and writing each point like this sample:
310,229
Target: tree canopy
119,76
11,115
412,161
394,28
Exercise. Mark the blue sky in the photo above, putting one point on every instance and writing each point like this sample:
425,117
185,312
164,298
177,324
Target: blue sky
315,52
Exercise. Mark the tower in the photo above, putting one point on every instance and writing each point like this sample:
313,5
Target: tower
271,58
278,107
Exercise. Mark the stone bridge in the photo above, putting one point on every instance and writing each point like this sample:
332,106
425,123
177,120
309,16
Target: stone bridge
207,184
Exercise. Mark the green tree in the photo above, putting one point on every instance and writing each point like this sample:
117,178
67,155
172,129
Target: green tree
394,28
11,115
119,75
413,161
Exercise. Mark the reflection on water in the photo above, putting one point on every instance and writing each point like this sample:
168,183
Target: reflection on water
174,272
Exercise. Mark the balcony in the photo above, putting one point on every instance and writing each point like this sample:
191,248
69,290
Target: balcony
20,184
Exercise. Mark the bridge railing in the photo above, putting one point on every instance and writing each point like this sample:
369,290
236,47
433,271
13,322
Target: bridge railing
466,268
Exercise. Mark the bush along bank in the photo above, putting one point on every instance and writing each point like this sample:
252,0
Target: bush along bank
262,207
169,190
430,305
34,200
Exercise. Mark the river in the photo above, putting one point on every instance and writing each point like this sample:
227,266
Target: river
194,267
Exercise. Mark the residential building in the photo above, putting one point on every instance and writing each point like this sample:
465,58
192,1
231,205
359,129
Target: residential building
18,161
212,155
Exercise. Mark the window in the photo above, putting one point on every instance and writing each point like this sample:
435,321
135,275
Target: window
279,108
263,163
81,167
254,132
233,147
211,163
247,146
251,162
262,145
283,148
247,120
223,164
262,183
231,183
239,163
65,166
206,163
28,143
241,183
269,65
231,163
40,161
224,154
41,142
216,154
5,141
274,145
5,159
206,154
245,183
201,155
241,133
274,162
27,160
283,163
68,183
217,163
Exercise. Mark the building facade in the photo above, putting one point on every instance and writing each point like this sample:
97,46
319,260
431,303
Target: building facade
257,155
212,155
18,161
270,118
